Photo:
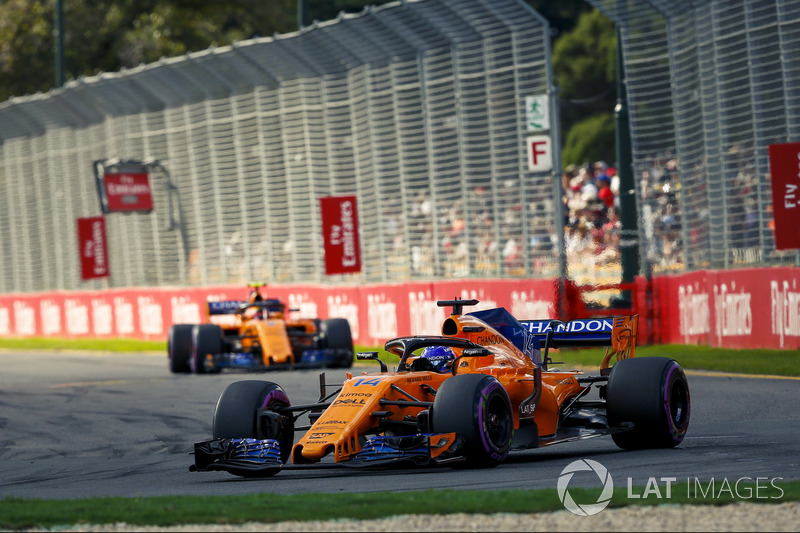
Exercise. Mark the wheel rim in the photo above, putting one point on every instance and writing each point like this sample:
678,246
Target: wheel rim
679,403
498,422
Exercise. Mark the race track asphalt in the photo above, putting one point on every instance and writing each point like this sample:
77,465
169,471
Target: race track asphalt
81,425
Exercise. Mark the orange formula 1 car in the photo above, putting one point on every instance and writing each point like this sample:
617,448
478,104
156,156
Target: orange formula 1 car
483,388
258,336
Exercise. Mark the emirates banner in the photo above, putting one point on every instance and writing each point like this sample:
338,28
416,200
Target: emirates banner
784,168
128,191
340,234
93,249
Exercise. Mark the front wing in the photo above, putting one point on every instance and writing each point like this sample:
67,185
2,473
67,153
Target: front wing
262,458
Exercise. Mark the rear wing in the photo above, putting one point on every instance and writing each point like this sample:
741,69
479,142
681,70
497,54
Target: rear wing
618,334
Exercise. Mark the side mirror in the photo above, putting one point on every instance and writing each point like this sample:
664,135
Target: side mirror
372,356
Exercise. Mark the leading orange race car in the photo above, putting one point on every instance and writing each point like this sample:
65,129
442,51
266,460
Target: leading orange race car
468,397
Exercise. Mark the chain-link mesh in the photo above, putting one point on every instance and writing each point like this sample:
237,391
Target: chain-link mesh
415,107
418,109
711,86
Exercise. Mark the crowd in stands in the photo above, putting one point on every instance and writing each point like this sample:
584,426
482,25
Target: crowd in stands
591,207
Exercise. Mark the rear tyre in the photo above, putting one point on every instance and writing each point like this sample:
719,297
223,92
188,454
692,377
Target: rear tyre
336,336
476,407
206,339
179,348
653,394
246,409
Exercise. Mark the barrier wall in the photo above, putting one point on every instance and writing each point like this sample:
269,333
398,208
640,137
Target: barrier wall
376,312
751,308
748,308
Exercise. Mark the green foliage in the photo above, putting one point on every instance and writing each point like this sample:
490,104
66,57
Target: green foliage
109,35
584,65
591,139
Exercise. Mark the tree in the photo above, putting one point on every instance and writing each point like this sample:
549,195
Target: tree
108,35
584,65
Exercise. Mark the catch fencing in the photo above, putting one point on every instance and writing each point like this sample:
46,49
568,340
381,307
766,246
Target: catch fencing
418,108
711,85
415,107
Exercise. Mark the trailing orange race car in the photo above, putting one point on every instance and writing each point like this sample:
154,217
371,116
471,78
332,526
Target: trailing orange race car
483,388
257,335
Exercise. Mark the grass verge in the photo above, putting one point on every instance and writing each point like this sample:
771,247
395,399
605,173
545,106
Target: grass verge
17,513
754,361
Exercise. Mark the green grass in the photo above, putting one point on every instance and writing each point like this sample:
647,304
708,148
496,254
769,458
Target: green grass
18,513
759,361
754,361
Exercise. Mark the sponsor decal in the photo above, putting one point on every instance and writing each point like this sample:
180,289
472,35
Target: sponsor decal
51,317
525,305
350,402
332,423
426,316
150,316
484,340
693,312
306,307
24,319
102,317
734,317
541,327
340,234
338,307
129,191
785,306
784,166
5,321
417,379
318,435
185,311
382,315
77,317
123,315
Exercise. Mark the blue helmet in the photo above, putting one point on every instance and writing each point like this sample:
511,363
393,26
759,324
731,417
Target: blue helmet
441,357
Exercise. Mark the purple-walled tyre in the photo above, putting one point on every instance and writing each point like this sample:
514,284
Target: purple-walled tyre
652,393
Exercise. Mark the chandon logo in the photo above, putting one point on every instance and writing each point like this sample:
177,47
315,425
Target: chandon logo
585,509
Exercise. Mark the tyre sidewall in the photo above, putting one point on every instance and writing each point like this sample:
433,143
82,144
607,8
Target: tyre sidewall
336,335
464,405
179,348
206,339
653,394
239,407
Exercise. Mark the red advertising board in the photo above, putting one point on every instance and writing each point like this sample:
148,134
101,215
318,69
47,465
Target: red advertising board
128,191
93,249
340,234
784,168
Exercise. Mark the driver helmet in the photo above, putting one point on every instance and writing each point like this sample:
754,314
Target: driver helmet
441,357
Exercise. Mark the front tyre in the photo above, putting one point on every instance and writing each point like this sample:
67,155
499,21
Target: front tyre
179,348
247,409
653,394
476,407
